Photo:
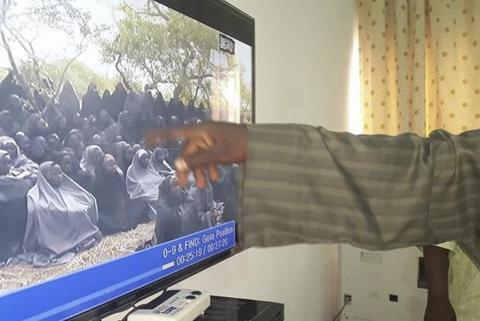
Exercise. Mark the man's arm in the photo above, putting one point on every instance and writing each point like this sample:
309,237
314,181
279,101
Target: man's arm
305,184
436,268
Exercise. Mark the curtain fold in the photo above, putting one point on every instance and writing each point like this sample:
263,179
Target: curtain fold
419,71
419,65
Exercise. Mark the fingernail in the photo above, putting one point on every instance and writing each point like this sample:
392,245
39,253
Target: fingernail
181,165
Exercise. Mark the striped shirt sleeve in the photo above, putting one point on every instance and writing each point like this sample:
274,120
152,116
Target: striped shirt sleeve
305,184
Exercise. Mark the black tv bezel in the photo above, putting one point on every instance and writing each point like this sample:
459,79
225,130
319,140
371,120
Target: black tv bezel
225,18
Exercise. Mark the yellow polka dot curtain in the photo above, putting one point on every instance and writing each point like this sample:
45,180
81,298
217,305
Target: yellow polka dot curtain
420,70
419,65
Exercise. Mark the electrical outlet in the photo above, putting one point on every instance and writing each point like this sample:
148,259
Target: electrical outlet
393,297
347,299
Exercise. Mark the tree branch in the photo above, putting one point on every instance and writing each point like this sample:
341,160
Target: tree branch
15,69
67,66
30,51
122,75
201,77
159,12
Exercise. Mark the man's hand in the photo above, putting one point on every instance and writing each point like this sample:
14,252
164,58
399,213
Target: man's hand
439,310
205,146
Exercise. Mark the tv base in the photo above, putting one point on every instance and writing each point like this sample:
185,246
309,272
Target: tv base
228,309
180,305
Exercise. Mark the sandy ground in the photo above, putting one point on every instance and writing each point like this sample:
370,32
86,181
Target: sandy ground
110,247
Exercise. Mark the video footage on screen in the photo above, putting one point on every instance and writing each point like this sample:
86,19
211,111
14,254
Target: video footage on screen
80,83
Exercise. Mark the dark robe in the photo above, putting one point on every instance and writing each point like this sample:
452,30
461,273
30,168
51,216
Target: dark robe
117,129
106,100
117,101
160,107
145,119
226,191
52,115
171,110
111,195
191,112
91,102
169,207
60,218
68,102
134,105
9,86
38,152
13,214
202,199
8,125
35,126
102,123
118,151
191,222
39,100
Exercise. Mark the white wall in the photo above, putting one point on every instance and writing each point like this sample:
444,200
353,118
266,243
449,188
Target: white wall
370,277
302,69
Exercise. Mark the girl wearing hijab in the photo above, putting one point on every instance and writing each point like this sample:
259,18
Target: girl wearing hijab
21,165
202,201
35,126
160,105
92,159
23,142
142,179
88,128
137,147
160,122
225,191
170,207
142,183
106,100
62,216
74,140
13,208
110,192
134,104
68,166
100,141
124,127
91,102
8,125
104,120
117,100
69,103
39,149
53,146
118,151
159,162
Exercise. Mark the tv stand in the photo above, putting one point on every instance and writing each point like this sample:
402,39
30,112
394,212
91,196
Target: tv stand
228,309
222,308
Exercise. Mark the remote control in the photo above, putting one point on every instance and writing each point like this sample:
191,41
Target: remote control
185,305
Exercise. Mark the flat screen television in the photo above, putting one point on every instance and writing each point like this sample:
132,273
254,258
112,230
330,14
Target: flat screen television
91,220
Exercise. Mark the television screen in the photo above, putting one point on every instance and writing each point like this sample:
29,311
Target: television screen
88,214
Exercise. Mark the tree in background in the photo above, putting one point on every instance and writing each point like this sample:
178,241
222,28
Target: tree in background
172,50
22,22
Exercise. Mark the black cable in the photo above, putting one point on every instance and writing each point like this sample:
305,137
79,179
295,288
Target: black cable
337,316
135,308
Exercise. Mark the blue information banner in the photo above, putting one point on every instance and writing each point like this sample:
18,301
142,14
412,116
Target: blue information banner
78,292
